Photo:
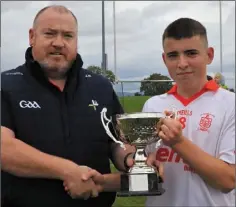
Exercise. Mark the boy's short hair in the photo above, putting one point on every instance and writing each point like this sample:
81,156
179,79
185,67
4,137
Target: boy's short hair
184,28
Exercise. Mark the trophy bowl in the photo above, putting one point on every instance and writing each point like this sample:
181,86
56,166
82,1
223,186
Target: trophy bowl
137,129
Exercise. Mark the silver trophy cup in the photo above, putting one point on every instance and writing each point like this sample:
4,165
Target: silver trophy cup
138,129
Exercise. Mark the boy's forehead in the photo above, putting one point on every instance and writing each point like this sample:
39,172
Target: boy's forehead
182,44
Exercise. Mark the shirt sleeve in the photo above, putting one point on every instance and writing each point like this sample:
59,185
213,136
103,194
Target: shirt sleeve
116,108
6,113
227,142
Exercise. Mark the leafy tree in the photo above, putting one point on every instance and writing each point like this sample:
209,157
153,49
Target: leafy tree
137,94
155,88
107,73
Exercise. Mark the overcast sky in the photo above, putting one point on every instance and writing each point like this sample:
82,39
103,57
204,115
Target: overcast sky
139,27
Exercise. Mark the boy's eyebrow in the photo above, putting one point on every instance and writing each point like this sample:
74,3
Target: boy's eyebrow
186,51
190,50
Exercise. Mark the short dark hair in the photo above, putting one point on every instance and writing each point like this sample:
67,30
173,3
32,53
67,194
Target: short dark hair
209,78
58,8
184,28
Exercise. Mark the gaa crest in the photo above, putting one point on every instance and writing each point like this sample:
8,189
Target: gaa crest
205,122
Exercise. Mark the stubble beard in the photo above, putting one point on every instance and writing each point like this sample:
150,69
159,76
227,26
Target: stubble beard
55,72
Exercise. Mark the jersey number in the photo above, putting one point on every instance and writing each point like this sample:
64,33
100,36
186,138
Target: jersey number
182,120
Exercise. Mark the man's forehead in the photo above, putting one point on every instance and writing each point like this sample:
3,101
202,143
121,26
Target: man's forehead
193,43
51,18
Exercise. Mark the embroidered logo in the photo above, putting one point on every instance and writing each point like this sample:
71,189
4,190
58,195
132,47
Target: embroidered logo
205,122
94,104
29,104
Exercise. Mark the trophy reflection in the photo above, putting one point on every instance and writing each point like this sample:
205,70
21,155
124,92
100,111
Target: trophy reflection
138,129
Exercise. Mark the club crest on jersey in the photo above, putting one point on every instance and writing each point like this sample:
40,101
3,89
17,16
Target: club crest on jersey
205,122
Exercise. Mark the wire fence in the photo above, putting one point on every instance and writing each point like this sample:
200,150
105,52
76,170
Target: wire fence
128,89
131,87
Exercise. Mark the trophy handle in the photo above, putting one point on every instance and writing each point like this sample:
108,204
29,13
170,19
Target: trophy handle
174,110
106,127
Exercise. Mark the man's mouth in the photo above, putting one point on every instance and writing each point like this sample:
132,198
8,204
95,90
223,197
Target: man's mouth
55,53
186,73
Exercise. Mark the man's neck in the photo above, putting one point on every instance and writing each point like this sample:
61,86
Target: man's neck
191,90
60,84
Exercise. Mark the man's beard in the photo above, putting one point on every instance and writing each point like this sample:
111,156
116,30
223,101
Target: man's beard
55,73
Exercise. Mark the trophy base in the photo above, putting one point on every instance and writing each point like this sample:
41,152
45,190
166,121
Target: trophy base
149,184
139,193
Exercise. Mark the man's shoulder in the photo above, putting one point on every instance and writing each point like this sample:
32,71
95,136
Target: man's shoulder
226,96
160,98
95,78
157,102
11,76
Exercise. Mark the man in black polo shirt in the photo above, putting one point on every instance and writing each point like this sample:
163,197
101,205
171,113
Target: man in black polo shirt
51,132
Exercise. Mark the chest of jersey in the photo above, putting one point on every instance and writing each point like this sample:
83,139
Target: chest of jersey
201,120
62,125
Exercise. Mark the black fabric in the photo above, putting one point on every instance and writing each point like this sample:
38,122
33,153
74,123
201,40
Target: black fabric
6,115
59,123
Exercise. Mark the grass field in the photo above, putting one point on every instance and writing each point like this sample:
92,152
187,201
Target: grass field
131,104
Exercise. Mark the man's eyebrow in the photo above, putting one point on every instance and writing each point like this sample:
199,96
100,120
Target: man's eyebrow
172,53
55,30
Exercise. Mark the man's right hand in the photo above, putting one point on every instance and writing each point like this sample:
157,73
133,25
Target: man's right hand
77,187
30,162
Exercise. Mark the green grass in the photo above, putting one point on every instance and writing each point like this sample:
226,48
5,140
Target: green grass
131,104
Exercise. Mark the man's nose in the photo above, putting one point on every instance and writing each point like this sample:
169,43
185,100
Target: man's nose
182,62
58,41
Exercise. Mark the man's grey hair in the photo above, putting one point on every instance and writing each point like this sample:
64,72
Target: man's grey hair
58,8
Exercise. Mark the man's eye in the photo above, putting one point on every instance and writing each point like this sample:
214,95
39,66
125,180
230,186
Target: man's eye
68,36
192,53
172,55
48,33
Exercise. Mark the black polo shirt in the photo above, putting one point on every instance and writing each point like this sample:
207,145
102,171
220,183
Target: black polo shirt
66,124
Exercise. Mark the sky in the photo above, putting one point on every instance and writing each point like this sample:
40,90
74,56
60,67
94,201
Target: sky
139,27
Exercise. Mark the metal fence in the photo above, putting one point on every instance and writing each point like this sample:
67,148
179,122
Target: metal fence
129,88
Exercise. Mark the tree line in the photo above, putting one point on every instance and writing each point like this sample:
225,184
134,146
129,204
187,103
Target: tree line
146,88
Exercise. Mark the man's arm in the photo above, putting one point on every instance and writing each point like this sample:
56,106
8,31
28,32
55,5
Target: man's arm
21,159
215,172
109,183
117,153
118,156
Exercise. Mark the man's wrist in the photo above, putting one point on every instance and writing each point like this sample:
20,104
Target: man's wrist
131,154
179,144
64,169
111,182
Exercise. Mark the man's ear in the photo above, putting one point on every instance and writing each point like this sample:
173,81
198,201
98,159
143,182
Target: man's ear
164,57
31,37
210,54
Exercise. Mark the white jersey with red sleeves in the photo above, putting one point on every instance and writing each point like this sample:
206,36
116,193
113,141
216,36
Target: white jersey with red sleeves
208,120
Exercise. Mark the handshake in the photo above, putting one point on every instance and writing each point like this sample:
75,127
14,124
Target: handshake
82,182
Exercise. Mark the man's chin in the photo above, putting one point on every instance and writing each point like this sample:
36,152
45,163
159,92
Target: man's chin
56,73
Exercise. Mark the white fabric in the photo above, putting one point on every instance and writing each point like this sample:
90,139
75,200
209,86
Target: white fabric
216,137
